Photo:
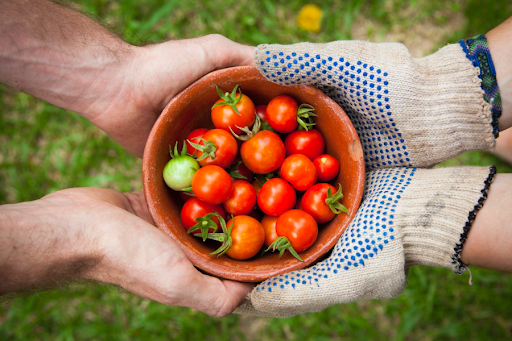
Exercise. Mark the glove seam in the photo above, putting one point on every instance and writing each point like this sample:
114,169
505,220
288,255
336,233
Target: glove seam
459,267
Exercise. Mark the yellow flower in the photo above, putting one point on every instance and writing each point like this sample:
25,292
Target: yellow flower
309,18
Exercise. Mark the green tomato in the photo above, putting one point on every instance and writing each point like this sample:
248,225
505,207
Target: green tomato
178,172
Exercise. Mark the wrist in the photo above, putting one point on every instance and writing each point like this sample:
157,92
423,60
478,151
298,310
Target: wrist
41,245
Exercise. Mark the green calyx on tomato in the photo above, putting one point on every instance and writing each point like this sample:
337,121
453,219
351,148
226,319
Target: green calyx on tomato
229,99
233,174
282,244
249,133
333,201
305,116
224,237
207,149
262,178
180,170
205,224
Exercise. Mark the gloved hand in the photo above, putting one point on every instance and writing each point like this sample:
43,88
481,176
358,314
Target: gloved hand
412,112
408,217
408,113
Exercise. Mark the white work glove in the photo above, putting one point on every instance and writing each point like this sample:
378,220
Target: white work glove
409,216
408,112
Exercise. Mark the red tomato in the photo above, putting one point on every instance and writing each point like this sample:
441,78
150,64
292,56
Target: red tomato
313,202
195,208
238,168
299,227
195,136
282,114
257,187
276,196
248,237
299,171
185,197
212,184
261,111
309,143
263,153
242,199
327,167
269,225
224,117
224,151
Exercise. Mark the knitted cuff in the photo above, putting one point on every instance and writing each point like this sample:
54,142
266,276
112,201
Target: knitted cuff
437,211
477,51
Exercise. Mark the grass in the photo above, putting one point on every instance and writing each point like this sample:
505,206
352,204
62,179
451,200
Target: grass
44,149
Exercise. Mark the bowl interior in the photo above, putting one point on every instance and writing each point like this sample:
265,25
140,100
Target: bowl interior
190,110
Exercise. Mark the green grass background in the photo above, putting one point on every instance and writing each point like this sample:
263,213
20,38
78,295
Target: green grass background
44,148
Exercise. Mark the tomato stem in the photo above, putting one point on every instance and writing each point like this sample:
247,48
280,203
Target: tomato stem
333,201
229,99
224,237
282,244
305,115
249,133
204,224
208,149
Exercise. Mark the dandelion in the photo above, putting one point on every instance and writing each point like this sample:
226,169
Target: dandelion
309,18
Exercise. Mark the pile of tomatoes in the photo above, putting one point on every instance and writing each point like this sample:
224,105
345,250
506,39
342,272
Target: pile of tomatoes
256,182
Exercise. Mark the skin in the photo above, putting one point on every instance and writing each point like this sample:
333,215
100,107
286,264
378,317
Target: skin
67,59
488,244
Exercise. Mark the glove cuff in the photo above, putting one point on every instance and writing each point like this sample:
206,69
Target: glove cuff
477,51
437,211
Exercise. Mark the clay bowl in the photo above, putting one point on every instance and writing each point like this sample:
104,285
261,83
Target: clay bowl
190,110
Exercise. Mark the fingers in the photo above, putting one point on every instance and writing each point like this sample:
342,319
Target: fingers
213,296
223,52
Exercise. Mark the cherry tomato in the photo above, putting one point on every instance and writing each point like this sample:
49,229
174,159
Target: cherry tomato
269,225
299,227
261,111
327,167
185,197
314,203
276,196
221,148
256,186
309,143
282,114
263,153
195,136
241,200
239,171
225,117
299,171
180,170
248,237
195,208
212,184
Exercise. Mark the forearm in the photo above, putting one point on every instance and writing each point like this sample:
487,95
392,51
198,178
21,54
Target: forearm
60,56
489,243
37,249
500,46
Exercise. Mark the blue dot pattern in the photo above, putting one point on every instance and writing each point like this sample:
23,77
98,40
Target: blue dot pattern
369,233
361,89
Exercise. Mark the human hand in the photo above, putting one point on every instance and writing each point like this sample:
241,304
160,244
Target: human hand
154,75
408,217
412,112
107,236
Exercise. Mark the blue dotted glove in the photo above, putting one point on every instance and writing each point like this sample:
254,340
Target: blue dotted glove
408,217
412,112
